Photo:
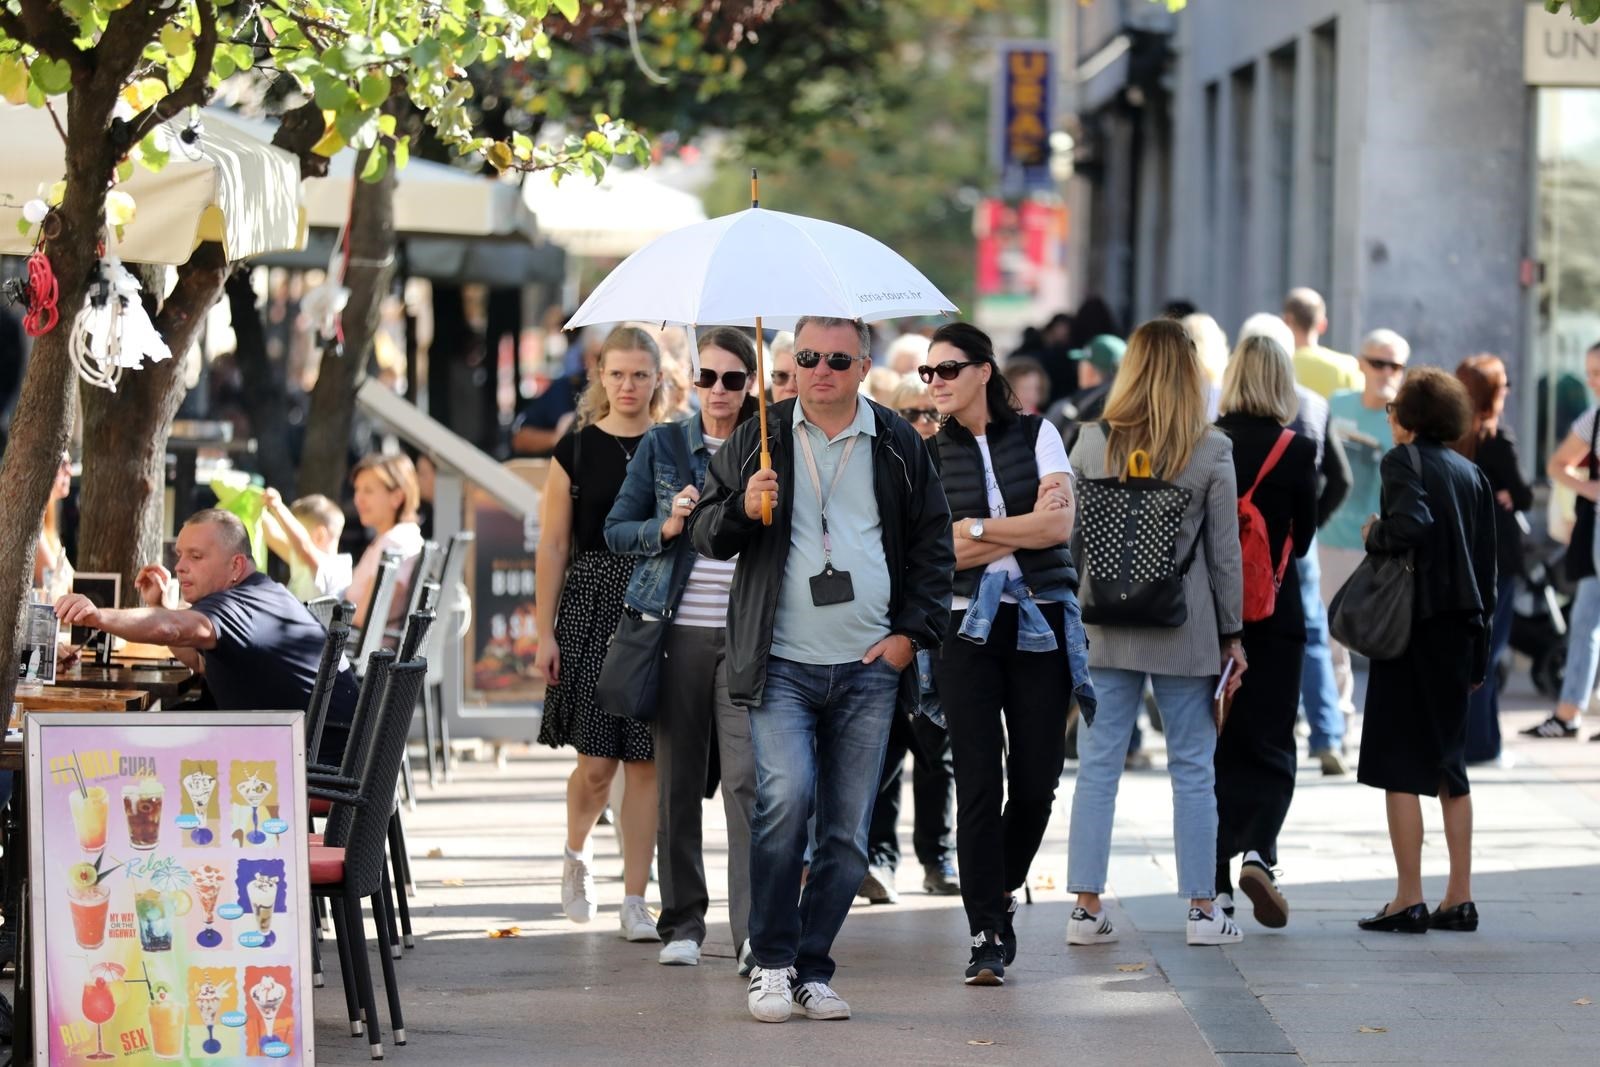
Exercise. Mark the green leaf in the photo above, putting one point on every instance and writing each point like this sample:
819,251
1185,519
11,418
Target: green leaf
374,90
52,76
377,164
222,65
568,8
23,226
330,93
176,40
402,152
152,155
124,170
386,125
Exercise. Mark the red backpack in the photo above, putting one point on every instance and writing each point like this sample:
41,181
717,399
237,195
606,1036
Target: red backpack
1261,581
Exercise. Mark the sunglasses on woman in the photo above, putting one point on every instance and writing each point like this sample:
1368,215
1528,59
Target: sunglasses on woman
809,358
915,415
732,380
946,370
781,378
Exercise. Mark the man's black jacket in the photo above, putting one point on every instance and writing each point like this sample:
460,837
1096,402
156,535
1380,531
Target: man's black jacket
916,541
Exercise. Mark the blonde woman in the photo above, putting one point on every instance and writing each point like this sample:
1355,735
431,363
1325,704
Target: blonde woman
580,591
1157,406
1211,345
387,498
1256,754
52,570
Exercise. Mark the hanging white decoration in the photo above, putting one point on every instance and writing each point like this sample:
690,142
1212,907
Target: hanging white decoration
112,332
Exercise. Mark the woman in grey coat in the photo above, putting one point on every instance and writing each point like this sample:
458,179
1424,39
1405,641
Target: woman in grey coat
1158,407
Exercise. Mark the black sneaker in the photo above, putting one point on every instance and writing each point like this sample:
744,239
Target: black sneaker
1553,727
1008,935
939,879
988,966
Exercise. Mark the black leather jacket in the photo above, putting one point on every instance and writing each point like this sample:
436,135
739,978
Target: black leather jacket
916,541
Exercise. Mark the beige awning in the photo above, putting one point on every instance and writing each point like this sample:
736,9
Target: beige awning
233,188
613,219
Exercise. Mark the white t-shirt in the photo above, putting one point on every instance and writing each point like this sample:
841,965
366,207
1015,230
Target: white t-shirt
332,578
1051,457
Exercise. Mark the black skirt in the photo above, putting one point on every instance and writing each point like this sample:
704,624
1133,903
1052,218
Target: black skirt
1414,734
1257,752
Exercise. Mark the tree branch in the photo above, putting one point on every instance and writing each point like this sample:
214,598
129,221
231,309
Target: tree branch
196,88
45,26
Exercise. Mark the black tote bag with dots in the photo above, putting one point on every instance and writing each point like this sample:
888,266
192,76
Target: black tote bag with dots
1126,549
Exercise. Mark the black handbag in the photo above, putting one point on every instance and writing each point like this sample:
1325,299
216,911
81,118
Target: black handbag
630,678
1579,560
1126,548
1373,611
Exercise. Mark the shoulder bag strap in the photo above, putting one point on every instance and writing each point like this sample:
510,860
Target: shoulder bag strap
1593,460
577,460
1278,448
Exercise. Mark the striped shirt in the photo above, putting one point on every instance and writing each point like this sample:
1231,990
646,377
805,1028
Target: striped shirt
705,598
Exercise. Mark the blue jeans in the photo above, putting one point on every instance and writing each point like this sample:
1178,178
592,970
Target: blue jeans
1185,705
1583,645
819,735
1319,690
1483,707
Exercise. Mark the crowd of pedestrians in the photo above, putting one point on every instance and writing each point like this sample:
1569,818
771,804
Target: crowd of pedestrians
966,558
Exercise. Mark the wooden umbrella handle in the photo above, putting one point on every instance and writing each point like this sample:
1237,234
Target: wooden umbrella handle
761,405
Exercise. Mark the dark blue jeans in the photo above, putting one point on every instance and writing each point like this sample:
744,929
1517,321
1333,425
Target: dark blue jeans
819,736
1483,709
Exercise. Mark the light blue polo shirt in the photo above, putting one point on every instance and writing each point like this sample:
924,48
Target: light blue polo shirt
837,633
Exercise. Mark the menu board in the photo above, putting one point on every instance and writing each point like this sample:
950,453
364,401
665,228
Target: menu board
504,640
169,896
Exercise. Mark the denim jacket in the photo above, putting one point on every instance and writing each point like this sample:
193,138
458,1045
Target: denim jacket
633,528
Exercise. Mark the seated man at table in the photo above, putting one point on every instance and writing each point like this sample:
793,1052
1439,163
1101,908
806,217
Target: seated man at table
258,647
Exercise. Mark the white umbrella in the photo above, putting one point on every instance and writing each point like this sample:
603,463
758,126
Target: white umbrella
762,267
229,186
758,267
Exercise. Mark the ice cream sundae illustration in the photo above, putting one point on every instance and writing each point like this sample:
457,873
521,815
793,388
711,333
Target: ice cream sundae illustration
253,791
208,881
200,786
263,894
208,999
267,995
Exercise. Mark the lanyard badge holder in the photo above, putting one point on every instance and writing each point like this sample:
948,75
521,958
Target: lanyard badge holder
832,586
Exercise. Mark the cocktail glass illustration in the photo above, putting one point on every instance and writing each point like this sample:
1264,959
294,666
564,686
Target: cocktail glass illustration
267,995
253,791
166,1022
154,912
141,802
208,882
90,807
263,894
89,904
200,785
208,998
100,990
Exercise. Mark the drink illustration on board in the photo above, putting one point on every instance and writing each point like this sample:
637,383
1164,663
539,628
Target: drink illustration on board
101,990
142,804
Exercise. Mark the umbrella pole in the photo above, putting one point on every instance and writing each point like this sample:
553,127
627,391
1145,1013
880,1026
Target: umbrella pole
761,376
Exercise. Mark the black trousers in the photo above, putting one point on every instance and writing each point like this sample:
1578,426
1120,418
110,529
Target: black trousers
1257,753
1007,712
933,793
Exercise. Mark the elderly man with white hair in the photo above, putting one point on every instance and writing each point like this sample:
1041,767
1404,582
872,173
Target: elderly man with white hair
906,353
1319,688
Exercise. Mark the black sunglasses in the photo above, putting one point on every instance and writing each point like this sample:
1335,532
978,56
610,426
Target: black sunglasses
919,414
781,377
1383,364
946,370
732,380
808,358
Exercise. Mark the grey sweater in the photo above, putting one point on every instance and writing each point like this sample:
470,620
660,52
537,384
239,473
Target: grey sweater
1213,588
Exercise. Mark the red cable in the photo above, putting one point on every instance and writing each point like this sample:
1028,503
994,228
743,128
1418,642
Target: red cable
42,315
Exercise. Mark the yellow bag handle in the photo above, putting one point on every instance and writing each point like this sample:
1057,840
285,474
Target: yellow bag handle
1139,463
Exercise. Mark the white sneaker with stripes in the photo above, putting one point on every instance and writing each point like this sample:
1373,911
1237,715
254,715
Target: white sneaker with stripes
771,994
1213,929
1086,929
819,1001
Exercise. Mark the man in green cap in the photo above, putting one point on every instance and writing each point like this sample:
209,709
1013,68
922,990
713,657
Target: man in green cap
1097,369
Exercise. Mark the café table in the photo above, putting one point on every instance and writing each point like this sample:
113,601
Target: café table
172,685
76,698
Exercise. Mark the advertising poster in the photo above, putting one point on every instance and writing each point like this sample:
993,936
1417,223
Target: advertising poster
505,637
36,659
170,900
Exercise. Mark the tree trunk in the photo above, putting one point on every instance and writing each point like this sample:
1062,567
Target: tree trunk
125,435
40,426
371,268
265,389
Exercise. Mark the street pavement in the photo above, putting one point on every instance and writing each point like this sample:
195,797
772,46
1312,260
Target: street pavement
488,850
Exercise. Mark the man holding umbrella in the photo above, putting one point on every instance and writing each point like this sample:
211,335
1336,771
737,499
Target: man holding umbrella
830,603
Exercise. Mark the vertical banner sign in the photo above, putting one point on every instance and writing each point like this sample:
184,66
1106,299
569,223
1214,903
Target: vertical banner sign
1023,115
504,641
169,892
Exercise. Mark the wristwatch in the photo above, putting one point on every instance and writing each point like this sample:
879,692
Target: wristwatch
977,530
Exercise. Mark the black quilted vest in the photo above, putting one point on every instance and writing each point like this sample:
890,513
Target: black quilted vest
1011,448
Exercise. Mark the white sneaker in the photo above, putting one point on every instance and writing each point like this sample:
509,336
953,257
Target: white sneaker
682,953
1213,929
771,995
819,1001
1225,902
577,889
1086,929
747,960
637,922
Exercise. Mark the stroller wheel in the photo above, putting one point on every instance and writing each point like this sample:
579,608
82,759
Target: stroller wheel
1549,667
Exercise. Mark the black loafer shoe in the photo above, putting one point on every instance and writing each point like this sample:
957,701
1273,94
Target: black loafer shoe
1413,920
1462,918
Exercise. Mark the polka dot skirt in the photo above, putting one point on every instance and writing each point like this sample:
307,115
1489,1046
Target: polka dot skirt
591,606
